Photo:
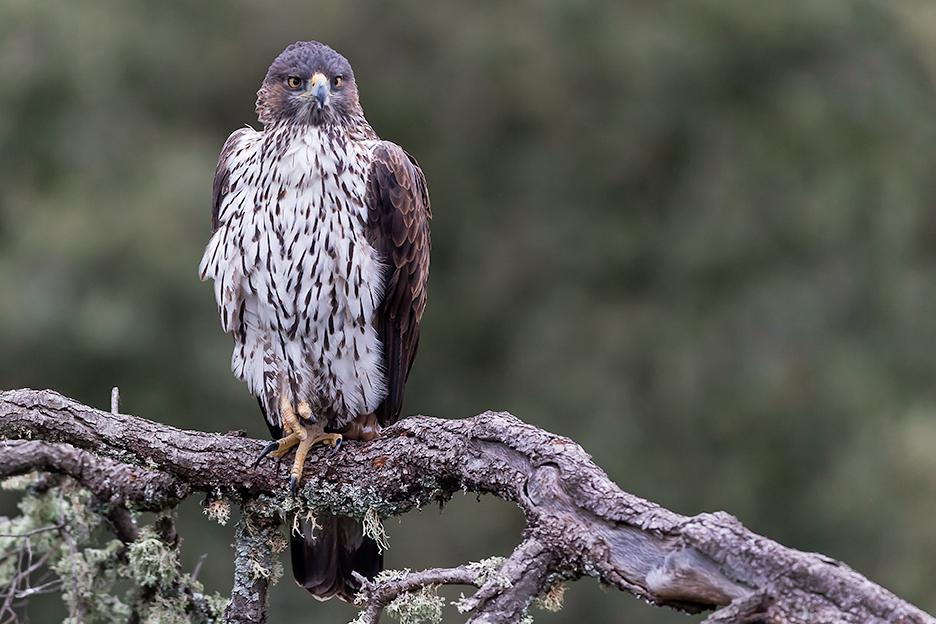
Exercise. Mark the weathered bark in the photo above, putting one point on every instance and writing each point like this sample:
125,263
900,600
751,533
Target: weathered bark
578,521
254,554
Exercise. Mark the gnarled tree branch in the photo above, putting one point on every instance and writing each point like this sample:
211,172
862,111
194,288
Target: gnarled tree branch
579,523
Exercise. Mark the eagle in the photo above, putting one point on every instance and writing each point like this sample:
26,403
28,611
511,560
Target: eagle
319,257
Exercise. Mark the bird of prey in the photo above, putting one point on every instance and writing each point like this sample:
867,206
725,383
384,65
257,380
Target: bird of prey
319,257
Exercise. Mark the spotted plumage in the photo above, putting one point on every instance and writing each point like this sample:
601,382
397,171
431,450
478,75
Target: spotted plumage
319,257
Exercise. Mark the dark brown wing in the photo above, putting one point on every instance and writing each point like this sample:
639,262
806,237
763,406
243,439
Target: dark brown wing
398,228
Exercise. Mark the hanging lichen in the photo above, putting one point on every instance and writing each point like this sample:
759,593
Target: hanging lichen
59,530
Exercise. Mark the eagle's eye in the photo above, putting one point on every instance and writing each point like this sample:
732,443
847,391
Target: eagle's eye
294,82
337,81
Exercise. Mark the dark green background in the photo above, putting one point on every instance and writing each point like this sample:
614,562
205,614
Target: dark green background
697,237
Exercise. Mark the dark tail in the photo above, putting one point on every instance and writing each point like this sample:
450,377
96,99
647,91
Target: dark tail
323,562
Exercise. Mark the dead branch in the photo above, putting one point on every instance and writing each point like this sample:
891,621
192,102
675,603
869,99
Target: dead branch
579,523
375,595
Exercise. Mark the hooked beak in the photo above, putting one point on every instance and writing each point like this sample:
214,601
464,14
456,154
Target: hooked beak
318,88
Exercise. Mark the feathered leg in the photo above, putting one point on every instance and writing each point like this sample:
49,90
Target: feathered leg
364,428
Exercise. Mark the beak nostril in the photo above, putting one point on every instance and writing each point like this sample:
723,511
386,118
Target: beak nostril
318,86
318,78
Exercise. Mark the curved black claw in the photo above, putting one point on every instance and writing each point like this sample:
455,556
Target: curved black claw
293,485
269,448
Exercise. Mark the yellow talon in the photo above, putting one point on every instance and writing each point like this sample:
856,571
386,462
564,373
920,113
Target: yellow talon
315,436
284,444
303,433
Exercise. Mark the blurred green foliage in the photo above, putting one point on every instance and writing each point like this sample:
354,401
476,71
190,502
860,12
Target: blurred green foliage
697,237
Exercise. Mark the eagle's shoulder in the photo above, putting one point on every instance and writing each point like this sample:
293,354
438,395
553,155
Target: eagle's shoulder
398,219
391,162
237,166
236,153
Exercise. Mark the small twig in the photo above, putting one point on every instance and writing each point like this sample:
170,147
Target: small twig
198,566
31,566
45,588
378,594
506,594
115,400
51,527
7,607
19,584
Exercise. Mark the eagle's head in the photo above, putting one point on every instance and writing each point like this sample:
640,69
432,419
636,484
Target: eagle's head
309,83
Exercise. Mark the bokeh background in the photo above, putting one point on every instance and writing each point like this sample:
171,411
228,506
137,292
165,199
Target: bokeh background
697,237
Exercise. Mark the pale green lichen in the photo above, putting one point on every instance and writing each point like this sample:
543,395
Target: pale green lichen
425,605
269,570
349,499
374,529
61,524
489,571
19,482
258,570
419,607
153,563
162,610
88,576
307,517
213,604
488,568
258,541
391,575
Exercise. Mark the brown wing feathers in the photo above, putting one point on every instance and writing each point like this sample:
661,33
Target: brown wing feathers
398,228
